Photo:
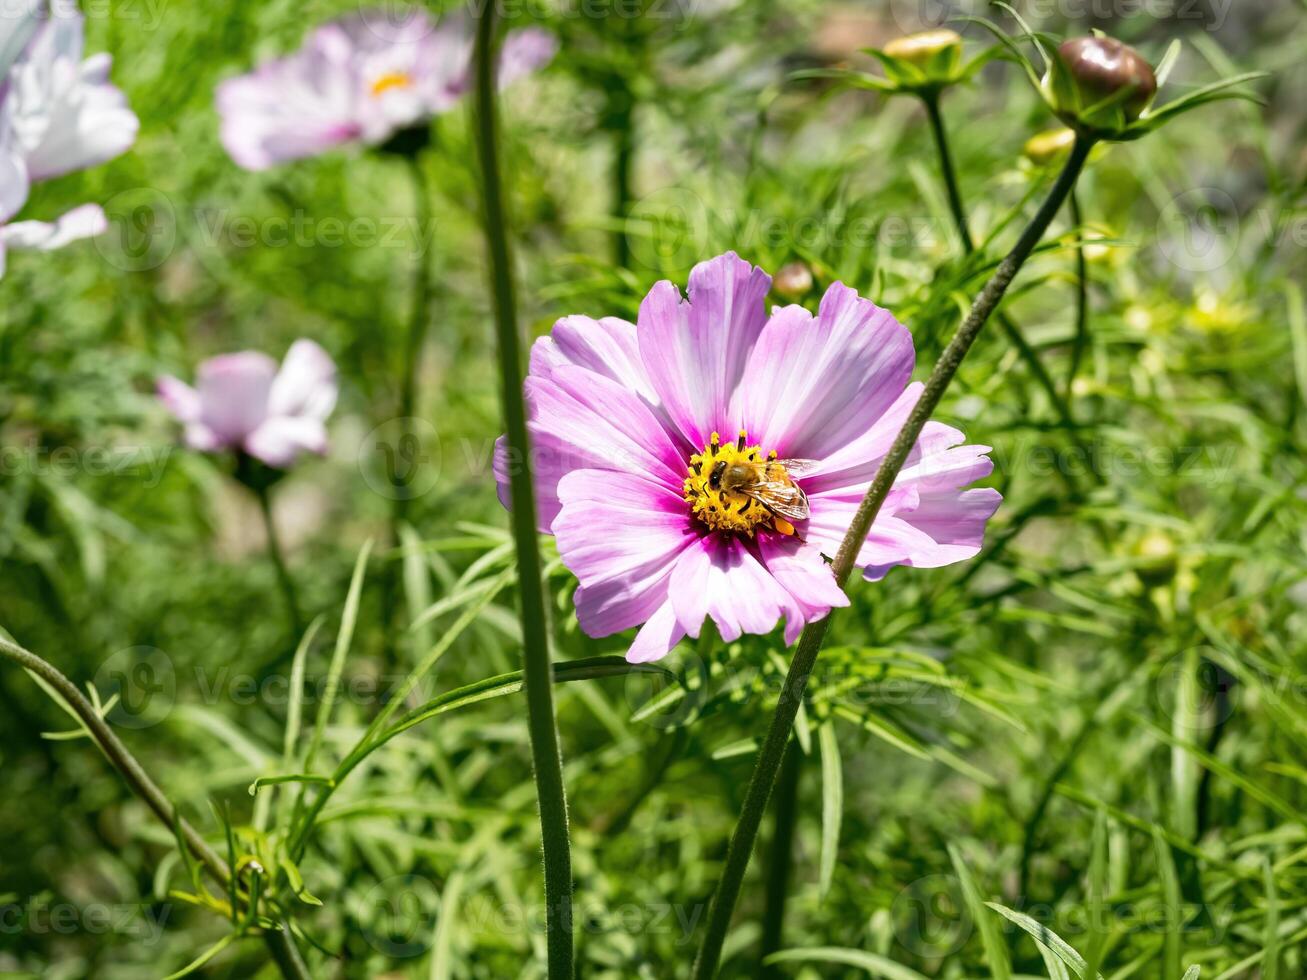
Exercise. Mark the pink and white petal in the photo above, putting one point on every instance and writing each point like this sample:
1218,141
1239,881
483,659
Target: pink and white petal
718,576
802,572
201,438
607,346
234,392
306,384
280,440
583,420
941,459
179,398
657,637
814,385
695,350
619,526
855,464
84,221
955,521
523,52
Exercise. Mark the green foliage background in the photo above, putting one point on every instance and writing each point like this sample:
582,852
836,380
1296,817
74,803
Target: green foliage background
1102,717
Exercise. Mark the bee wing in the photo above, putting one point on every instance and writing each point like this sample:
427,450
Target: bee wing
782,499
797,467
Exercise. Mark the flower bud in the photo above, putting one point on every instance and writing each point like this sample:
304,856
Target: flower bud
1102,67
793,280
919,49
1157,558
1048,147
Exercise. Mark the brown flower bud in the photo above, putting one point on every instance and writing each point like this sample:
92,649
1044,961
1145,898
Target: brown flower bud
1102,67
921,48
793,280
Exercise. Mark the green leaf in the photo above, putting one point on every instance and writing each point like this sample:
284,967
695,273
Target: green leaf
832,803
344,637
442,956
1046,939
296,880
1170,882
203,958
1271,940
873,963
991,937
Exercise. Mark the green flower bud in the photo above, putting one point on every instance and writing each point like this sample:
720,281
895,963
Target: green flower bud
921,49
1102,69
1049,147
1157,558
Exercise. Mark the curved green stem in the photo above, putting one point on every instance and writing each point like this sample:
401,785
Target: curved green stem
278,558
805,656
538,669
1082,297
280,942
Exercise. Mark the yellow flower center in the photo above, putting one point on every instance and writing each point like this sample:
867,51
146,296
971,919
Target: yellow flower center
390,80
713,486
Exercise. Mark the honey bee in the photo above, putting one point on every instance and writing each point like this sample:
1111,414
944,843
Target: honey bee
769,482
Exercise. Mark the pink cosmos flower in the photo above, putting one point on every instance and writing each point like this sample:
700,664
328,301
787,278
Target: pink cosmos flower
58,113
242,402
636,429
362,79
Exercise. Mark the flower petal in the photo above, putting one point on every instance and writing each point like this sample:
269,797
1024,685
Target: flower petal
695,350
619,534
583,420
234,392
802,572
814,385
718,576
84,221
179,398
306,384
657,637
608,347
280,440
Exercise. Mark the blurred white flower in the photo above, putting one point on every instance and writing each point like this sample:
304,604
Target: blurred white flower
241,402
58,113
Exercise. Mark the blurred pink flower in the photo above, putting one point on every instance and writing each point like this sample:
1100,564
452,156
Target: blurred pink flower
58,114
242,402
362,78
631,471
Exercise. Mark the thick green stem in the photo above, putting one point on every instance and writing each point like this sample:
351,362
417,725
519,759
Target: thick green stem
278,558
1082,298
538,670
280,942
785,820
805,656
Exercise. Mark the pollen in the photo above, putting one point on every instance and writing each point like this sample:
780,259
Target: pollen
390,80
718,506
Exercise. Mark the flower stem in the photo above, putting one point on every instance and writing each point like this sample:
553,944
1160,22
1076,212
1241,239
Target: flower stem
622,114
410,369
538,670
1013,333
782,858
1082,296
278,559
770,755
280,942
